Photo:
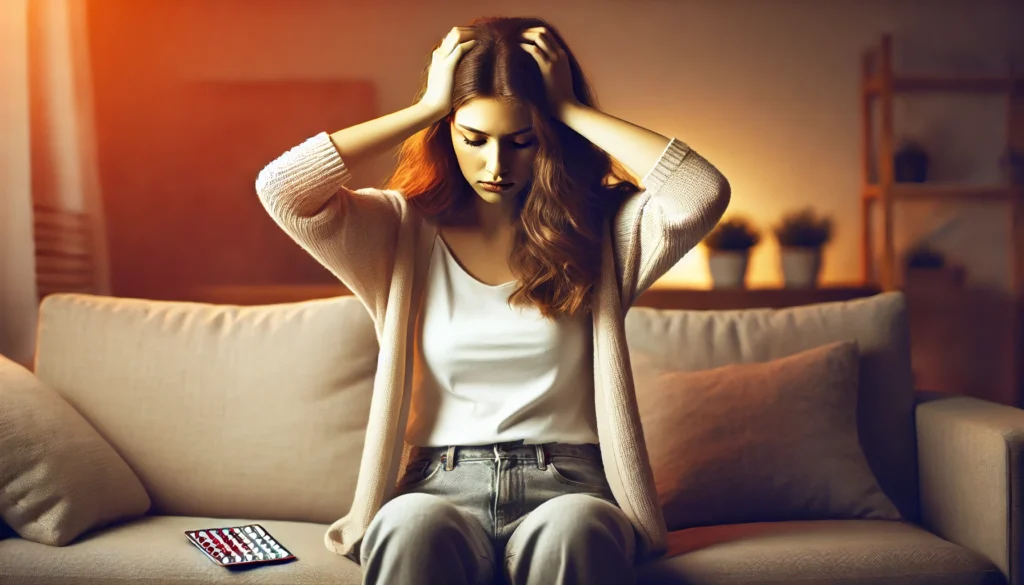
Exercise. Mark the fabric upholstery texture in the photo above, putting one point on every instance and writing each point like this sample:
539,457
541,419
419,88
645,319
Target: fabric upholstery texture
971,465
762,442
59,478
690,340
822,552
154,550
100,354
221,410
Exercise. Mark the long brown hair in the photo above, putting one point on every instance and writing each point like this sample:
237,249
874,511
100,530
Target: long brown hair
574,188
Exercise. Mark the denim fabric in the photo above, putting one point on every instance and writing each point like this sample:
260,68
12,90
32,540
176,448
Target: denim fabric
490,491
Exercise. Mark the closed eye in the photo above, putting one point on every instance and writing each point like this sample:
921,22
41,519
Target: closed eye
479,143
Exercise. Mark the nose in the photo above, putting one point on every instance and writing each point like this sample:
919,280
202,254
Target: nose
496,162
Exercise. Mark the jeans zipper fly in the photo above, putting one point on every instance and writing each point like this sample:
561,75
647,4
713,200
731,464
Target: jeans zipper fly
497,486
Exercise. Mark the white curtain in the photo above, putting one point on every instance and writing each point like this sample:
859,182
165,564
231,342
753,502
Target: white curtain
47,150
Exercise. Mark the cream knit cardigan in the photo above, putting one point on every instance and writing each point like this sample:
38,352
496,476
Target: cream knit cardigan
379,247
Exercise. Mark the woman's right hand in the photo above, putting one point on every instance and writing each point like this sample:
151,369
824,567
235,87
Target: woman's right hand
438,96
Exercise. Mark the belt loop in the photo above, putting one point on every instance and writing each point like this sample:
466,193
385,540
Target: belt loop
541,462
449,463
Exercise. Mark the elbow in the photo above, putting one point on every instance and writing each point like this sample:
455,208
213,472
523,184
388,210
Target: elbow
264,184
712,203
711,200
707,195
720,199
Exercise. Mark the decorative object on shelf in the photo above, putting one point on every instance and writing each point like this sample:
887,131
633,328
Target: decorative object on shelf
886,181
801,236
1012,164
729,245
926,268
910,164
948,351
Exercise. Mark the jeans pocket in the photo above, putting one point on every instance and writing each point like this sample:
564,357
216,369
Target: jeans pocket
578,472
419,471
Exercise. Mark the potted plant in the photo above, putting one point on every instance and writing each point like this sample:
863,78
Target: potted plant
910,163
729,245
801,236
1012,164
927,268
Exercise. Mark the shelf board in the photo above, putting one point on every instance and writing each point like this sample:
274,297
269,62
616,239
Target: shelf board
932,191
972,83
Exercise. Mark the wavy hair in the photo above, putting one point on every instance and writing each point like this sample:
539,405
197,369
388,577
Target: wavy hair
574,189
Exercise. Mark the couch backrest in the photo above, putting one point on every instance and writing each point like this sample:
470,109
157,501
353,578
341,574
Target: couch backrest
698,340
260,411
251,412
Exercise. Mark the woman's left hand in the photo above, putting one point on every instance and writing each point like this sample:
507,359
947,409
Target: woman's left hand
554,65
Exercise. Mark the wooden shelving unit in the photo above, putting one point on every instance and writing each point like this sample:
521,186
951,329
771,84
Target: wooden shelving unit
880,84
963,340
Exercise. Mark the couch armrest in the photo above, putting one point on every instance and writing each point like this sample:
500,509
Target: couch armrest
969,461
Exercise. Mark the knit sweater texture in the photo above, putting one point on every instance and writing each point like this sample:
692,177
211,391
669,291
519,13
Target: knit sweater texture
379,247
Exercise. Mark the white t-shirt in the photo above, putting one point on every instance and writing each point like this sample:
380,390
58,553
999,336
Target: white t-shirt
485,372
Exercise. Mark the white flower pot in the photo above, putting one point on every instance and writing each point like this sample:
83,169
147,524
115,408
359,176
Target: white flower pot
801,267
728,269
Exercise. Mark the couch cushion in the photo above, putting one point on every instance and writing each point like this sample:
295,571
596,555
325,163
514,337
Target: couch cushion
58,477
762,442
820,552
253,412
701,340
155,551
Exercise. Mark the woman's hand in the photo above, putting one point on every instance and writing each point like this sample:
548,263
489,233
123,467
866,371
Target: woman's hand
554,65
438,96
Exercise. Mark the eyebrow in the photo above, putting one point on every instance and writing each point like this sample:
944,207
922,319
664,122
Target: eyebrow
475,131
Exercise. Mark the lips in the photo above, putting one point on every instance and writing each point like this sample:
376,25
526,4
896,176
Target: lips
497,184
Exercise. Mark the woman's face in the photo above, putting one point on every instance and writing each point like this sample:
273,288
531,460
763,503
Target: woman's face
494,142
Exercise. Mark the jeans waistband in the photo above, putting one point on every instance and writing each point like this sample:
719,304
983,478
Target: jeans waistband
453,454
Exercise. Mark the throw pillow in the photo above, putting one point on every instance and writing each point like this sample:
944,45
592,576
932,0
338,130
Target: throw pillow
761,442
58,477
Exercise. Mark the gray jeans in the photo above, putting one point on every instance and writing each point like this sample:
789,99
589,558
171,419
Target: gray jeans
502,513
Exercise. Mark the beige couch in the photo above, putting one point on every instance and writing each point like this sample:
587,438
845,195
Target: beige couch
229,415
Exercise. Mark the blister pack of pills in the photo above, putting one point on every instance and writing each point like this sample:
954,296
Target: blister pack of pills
235,546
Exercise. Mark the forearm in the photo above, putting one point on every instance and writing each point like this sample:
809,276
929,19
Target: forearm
364,141
635,147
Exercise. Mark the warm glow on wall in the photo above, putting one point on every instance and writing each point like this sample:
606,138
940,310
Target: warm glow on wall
749,201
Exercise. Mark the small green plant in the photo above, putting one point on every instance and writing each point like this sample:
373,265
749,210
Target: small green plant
803,229
924,256
732,235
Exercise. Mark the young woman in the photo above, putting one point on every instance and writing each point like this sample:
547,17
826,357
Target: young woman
498,264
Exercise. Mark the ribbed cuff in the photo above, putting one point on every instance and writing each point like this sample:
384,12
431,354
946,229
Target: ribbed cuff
303,177
322,162
667,164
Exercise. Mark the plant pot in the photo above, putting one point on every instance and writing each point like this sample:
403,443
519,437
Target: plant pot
910,165
942,278
728,268
801,267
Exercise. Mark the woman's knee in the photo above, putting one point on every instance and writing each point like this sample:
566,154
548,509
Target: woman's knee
579,518
413,516
580,511
574,536
423,522
421,538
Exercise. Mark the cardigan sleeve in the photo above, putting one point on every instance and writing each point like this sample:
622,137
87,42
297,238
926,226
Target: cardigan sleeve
684,197
351,233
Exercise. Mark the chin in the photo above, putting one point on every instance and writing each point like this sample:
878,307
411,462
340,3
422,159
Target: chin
492,197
